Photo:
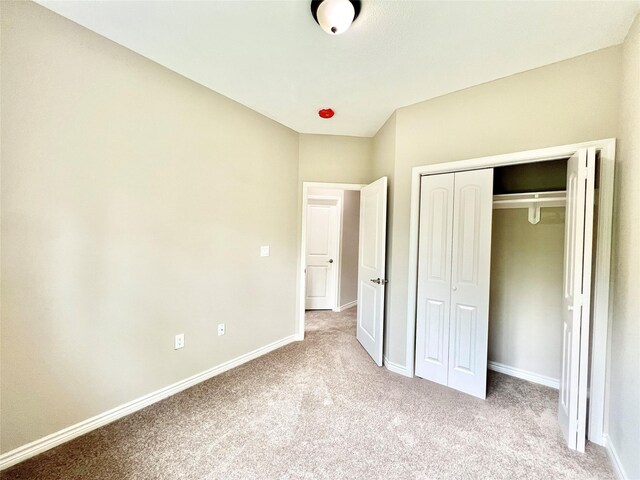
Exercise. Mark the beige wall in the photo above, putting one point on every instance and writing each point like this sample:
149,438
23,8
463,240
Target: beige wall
134,204
572,101
335,159
349,251
384,160
624,366
525,310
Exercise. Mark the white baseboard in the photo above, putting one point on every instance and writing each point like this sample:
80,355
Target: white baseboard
346,306
618,469
524,375
38,446
395,367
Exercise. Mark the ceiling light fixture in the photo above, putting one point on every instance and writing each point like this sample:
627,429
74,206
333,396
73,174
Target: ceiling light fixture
335,16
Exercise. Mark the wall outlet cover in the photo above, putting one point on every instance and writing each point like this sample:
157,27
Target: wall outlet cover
179,341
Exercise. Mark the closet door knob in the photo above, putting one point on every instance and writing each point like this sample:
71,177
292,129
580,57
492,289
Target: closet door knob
454,288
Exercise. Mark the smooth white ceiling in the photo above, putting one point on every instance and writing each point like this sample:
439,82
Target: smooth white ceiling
272,57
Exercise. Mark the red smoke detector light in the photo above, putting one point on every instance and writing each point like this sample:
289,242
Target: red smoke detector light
326,113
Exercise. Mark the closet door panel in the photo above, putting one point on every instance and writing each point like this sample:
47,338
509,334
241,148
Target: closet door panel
434,277
471,261
578,244
464,332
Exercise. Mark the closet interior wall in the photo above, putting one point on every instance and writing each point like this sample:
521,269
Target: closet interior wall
525,308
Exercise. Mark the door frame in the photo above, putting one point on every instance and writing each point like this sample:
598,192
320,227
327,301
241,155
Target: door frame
302,247
335,202
601,266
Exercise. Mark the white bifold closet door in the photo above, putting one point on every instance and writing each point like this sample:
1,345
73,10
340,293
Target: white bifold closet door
453,279
578,247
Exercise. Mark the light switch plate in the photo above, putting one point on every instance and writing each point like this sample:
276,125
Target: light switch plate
264,251
220,329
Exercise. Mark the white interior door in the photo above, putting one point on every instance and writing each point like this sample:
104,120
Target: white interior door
578,244
470,276
321,249
434,277
371,267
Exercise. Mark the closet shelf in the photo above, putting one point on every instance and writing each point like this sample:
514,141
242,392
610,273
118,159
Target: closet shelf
532,201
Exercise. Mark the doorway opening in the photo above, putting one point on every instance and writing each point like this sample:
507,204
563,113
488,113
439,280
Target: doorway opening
343,256
331,269
324,252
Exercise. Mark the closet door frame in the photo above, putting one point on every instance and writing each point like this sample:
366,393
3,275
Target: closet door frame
601,267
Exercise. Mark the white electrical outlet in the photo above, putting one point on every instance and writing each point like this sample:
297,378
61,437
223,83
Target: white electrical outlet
220,329
179,341
264,251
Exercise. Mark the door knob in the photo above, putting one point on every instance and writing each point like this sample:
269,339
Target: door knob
330,260
454,288
376,280
570,308
380,281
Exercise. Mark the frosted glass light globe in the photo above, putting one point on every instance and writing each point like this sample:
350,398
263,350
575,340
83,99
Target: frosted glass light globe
335,16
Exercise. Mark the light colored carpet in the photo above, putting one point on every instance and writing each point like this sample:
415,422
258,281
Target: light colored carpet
320,409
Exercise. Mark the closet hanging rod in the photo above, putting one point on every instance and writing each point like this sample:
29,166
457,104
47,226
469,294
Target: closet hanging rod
533,201
524,200
517,201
